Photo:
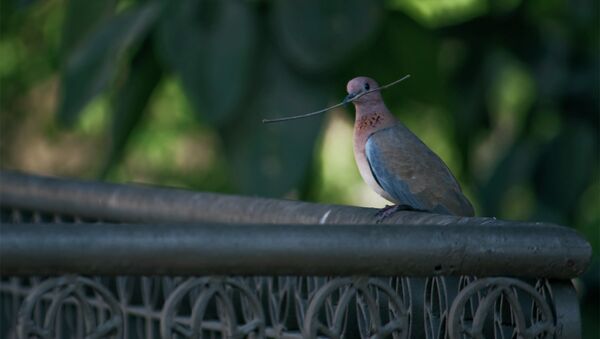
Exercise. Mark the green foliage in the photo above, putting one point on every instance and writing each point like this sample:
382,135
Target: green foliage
505,91
507,100
132,98
93,63
436,13
318,36
81,19
273,159
212,46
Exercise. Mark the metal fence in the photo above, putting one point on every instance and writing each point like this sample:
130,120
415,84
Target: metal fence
93,260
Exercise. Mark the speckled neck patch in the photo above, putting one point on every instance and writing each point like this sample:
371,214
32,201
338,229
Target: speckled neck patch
371,120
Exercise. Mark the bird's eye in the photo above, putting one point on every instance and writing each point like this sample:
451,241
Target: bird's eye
366,86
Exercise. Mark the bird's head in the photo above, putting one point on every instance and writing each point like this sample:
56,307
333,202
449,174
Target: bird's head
360,85
362,92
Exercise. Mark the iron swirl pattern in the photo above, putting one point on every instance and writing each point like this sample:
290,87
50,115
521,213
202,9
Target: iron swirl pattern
199,307
277,307
502,308
78,306
379,311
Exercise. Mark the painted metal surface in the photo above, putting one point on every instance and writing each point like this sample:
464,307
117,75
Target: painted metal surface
285,307
182,266
192,249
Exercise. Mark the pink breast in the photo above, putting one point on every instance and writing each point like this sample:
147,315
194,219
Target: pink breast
360,139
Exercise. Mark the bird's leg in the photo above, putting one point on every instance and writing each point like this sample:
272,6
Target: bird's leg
388,210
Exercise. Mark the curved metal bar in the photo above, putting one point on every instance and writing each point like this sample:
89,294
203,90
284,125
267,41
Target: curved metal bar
568,316
60,289
192,249
494,289
551,308
137,203
419,244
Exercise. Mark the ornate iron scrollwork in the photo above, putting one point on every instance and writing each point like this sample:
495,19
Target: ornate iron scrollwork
329,310
289,307
501,308
212,306
435,307
274,306
70,305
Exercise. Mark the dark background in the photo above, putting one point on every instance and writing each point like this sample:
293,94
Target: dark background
172,93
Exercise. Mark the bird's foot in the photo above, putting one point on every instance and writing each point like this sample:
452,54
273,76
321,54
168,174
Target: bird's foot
388,210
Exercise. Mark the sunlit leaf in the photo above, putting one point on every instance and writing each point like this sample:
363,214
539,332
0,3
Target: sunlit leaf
211,45
511,91
320,35
131,100
93,64
272,160
436,13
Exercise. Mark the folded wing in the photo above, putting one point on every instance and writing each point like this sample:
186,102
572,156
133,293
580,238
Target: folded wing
412,174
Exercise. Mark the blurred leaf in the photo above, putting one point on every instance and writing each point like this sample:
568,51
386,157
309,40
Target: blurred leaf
588,214
319,35
131,100
11,9
11,51
211,45
567,166
82,18
511,90
516,168
518,202
404,47
271,160
437,13
92,65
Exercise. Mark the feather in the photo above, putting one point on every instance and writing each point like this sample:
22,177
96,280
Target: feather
412,174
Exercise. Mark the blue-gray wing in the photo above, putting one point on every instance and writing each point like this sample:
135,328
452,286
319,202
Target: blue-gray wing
412,174
396,187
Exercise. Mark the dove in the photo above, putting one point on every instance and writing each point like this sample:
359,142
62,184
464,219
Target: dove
395,163
392,160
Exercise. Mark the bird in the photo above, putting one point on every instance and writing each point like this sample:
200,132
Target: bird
395,163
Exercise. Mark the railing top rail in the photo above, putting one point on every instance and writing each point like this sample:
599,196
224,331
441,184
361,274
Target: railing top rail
196,249
139,203
216,242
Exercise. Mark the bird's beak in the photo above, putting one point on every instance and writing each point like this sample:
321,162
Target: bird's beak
349,97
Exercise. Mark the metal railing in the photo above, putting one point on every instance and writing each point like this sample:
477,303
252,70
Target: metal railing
95,260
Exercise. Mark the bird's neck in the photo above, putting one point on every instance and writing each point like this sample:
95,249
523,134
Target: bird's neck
372,118
369,120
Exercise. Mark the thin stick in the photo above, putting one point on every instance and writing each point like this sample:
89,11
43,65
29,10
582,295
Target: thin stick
268,121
